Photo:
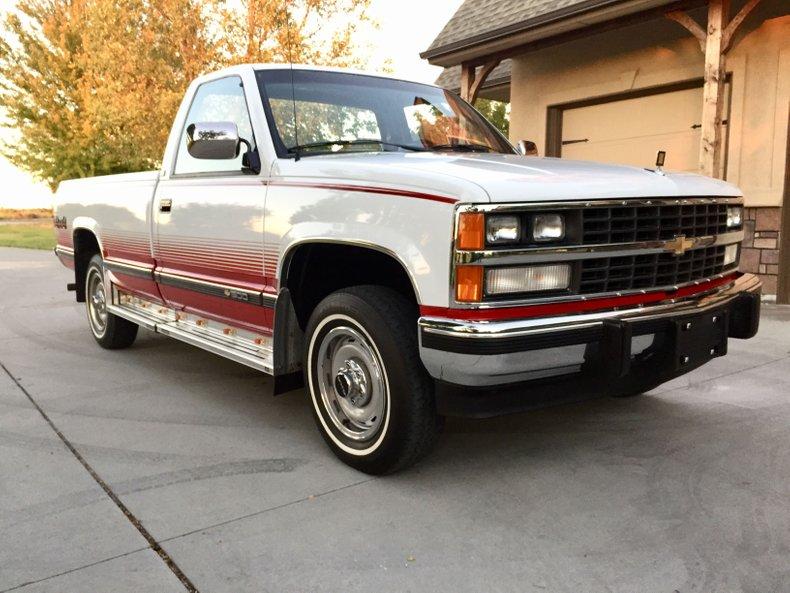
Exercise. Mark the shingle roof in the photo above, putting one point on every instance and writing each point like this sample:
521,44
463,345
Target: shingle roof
477,22
475,17
450,78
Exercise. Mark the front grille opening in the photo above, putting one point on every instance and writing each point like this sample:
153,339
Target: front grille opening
630,224
636,272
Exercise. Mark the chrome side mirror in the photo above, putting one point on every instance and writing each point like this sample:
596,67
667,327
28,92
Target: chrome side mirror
527,148
213,140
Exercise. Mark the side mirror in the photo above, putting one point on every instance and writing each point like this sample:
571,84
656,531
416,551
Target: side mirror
527,148
213,140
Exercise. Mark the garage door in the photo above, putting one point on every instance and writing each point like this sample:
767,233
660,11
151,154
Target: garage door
630,131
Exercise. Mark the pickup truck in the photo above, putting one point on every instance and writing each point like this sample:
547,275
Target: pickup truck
379,242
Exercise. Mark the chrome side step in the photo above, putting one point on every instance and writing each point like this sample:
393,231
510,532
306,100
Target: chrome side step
240,345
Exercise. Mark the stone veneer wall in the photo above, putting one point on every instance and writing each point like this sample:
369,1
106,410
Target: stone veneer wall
760,254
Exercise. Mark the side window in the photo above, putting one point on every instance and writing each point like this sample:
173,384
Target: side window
218,100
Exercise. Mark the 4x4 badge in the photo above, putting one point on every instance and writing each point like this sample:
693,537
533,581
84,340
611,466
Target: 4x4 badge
679,245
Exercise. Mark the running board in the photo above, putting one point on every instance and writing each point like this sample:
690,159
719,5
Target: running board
240,345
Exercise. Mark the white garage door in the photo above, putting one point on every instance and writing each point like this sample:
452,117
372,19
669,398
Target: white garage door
631,131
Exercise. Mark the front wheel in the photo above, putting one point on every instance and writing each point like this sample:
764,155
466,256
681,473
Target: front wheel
110,331
372,399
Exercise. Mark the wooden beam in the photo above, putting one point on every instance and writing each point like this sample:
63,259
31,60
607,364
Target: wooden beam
472,81
690,25
713,90
732,28
481,78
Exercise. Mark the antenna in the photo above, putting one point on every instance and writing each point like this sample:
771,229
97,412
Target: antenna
293,88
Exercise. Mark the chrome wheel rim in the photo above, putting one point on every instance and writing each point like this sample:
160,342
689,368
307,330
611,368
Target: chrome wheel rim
97,303
352,383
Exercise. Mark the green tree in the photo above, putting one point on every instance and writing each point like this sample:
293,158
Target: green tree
497,112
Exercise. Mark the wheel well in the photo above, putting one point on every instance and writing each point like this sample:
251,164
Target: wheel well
315,270
85,247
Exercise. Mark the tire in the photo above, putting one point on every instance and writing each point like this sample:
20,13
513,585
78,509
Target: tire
109,331
373,400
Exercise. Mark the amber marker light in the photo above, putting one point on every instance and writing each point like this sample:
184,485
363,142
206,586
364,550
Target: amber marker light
469,284
471,230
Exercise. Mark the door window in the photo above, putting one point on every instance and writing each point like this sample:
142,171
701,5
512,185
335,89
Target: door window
218,100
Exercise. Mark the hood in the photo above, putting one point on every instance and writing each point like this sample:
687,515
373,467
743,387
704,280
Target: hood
508,178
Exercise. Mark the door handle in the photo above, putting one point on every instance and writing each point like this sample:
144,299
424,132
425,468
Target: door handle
165,205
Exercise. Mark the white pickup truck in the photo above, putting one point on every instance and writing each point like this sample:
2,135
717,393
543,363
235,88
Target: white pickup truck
382,242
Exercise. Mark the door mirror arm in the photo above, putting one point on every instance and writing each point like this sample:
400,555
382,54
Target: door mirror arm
250,160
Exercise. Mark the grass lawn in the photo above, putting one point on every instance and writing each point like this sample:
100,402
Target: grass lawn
33,235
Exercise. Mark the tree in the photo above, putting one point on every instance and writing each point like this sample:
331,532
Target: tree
497,112
92,86
283,31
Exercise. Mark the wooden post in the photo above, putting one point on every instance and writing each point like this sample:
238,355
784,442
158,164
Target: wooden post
467,80
783,282
710,156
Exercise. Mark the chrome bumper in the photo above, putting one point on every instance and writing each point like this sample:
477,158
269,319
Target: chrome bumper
476,353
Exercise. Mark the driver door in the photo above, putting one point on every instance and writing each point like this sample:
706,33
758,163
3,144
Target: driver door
208,242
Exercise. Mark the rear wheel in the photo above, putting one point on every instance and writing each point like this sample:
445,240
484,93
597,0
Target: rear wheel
110,331
372,399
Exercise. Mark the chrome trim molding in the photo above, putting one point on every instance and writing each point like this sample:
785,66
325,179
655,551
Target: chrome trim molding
529,326
164,320
227,291
61,251
284,261
492,257
129,269
574,204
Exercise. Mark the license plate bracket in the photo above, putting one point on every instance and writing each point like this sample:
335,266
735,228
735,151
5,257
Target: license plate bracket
700,338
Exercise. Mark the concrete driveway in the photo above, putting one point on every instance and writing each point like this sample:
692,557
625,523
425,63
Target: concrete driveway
163,468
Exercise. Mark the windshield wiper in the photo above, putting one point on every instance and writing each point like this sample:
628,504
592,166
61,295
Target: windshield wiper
463,147
358,141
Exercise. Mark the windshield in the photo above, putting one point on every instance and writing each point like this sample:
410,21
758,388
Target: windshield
339,112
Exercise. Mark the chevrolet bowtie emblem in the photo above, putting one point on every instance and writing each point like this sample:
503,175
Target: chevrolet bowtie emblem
679,245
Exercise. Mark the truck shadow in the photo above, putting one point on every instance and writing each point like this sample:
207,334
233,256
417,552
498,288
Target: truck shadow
644,425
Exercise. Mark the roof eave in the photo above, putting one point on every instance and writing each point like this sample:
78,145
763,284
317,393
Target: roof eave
535,29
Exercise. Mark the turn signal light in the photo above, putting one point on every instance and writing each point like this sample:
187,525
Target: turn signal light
469,284
471,230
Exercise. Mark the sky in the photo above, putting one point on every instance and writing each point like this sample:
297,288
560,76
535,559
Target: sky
406,27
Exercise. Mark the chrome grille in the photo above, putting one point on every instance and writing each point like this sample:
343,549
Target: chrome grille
629,224
611,274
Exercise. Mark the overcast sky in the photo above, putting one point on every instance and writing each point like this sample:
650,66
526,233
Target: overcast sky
407,27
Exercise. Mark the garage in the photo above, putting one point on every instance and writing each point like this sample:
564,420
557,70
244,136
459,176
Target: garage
631,128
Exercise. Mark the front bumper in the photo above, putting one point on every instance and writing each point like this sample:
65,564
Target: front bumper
615,350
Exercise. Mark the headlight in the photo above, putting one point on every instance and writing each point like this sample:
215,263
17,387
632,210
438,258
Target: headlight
527,279
734,216
548,227
730,254
502,229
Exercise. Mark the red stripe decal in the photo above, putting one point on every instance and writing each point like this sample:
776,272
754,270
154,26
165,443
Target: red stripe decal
572,306
368,189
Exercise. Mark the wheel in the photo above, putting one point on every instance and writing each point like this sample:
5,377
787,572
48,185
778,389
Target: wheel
110,331
373,401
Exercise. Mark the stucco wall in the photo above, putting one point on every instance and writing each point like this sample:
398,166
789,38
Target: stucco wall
661,53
